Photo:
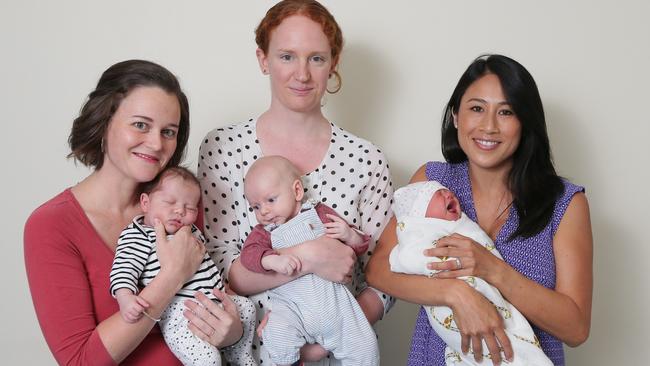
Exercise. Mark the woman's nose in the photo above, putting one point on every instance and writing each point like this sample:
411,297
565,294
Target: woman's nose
302,73
154,141
489,124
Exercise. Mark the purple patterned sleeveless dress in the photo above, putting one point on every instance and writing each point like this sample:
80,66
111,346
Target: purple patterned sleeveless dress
533,257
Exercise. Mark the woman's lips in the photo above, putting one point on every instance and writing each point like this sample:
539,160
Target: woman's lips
486,144
147,157
301,91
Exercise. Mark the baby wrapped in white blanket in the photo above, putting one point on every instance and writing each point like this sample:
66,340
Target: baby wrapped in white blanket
417,231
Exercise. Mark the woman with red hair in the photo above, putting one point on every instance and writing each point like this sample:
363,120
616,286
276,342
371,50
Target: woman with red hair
299,47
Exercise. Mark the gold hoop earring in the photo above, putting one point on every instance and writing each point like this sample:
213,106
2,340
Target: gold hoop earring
339,82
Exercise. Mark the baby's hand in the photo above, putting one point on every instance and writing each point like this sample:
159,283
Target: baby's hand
339,229
265,319
282,263
131,305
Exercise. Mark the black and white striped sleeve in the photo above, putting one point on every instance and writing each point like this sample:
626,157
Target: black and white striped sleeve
131,254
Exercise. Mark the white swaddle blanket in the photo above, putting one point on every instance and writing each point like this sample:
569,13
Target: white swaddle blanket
415,233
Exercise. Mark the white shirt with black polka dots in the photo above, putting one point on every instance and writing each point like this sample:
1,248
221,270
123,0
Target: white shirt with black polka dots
353,178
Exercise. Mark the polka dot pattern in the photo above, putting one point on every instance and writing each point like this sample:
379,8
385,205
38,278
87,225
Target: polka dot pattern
353,178
191,350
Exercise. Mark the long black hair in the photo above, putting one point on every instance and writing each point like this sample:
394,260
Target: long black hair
534,184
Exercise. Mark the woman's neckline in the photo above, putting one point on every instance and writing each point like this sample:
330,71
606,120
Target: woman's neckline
312,169
472,210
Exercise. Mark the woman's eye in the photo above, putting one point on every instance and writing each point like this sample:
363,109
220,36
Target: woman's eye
506,112
319,59
476,108
140,125
285,57
169,133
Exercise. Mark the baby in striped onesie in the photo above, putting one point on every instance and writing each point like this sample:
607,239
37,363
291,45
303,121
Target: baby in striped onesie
173,198
308,309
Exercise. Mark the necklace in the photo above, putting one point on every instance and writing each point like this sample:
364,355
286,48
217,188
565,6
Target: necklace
494,225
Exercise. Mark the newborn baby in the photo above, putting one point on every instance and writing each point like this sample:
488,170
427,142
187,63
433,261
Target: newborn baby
426,212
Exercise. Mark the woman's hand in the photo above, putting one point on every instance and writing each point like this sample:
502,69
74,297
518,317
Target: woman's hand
312,352
474,259
179,257
327,258
210,322
478,320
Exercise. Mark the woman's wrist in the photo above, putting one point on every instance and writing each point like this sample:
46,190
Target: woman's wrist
455,292
498,274
167,284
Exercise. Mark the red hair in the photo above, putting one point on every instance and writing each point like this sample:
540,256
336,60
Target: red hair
311,9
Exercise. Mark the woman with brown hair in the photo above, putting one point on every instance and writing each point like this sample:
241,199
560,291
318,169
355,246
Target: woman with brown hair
133,125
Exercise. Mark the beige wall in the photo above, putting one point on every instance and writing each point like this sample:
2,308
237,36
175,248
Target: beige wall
400,64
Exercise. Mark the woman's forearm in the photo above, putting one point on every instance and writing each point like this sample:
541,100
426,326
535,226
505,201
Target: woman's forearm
564,311
550,310
121,338
246,283
415,289
412,288
325,257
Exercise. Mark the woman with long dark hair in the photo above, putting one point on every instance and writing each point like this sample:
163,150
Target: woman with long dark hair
498,163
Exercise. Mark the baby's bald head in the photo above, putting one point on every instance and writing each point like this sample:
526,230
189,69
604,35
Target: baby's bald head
270,168
273,189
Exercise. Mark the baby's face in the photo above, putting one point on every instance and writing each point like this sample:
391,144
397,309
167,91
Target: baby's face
274,200
444,205
174,202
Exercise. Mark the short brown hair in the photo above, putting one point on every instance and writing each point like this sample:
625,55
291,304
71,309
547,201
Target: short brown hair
311,9
89,128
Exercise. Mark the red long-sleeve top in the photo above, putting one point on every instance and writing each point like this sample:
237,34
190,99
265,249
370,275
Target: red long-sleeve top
68,266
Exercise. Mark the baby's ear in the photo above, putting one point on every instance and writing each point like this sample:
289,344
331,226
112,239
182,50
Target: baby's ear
144,202
298,189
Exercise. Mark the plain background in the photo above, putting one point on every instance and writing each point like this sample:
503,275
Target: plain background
400,64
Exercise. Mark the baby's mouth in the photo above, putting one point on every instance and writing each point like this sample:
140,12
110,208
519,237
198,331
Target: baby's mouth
452,207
